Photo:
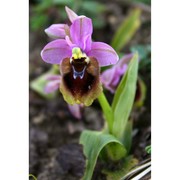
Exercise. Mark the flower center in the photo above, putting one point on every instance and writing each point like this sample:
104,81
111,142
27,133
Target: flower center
79,62
78,55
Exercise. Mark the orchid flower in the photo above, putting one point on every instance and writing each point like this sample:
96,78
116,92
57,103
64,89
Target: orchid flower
79,58
111,77
54,82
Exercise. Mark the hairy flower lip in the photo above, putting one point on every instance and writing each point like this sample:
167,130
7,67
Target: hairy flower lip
80,90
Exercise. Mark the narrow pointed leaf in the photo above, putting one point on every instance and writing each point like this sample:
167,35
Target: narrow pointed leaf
93,142
126,30
124,98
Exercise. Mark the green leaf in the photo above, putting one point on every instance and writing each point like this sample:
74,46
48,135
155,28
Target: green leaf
124,98
127,136
39,83
93,142
148,149
126,30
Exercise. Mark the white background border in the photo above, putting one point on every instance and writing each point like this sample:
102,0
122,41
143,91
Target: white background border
14,73
165,89
14,97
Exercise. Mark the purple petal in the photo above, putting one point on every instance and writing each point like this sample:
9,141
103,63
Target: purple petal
125,60
75,110
81,31
107,76
55,51
53,77
71,14
56,31
69,42
52,86
87,42
104,53
118,73
110,78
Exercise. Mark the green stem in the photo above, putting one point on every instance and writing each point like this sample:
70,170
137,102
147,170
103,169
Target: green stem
108,114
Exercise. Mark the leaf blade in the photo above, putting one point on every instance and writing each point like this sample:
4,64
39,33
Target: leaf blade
124,98
126,30
93,142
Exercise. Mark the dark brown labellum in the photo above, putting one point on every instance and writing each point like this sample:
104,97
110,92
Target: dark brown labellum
80,81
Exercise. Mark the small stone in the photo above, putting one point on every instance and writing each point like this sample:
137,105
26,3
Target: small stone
38,119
